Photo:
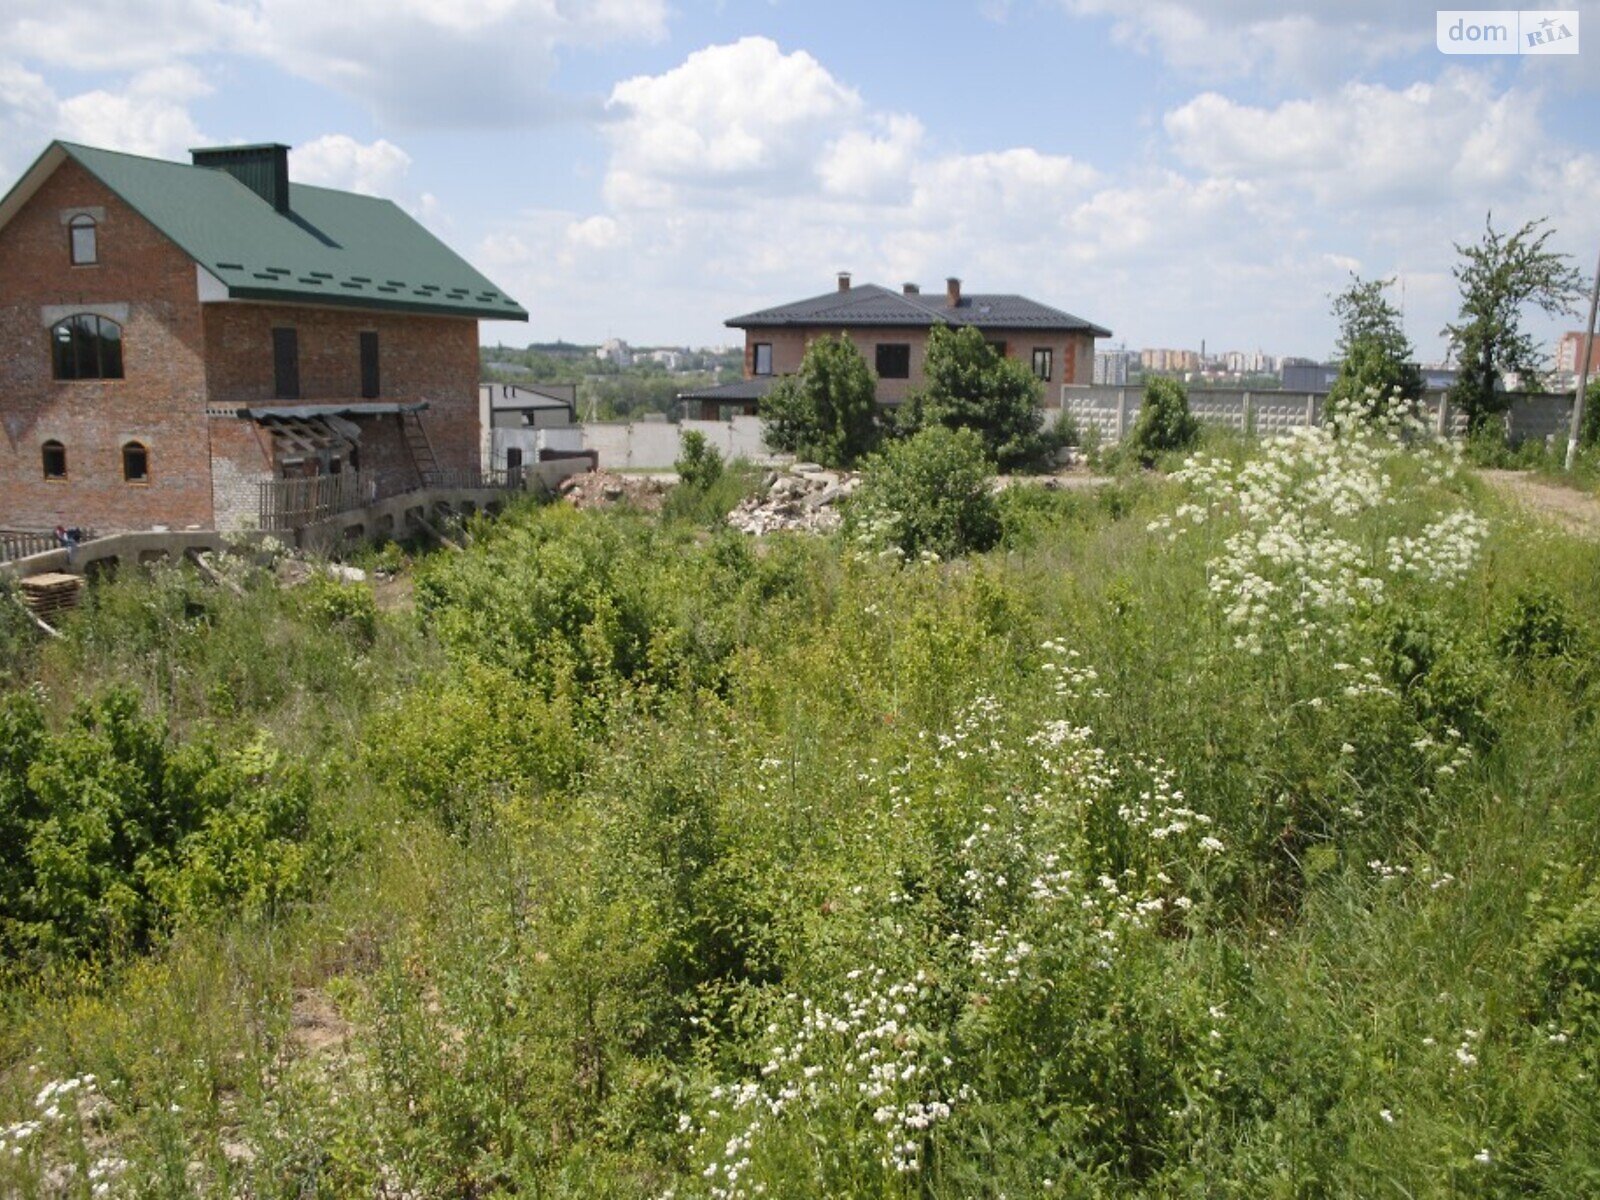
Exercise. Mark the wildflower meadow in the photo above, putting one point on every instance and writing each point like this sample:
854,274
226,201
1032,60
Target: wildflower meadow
1227,830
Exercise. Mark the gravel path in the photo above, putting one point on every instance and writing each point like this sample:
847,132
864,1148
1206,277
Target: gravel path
1574,510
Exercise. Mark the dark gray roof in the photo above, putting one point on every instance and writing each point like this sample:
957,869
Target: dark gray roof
743,389
378,408
519,397
869,304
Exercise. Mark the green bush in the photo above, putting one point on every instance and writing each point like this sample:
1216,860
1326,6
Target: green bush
108,832
699,463
1165,423
932,494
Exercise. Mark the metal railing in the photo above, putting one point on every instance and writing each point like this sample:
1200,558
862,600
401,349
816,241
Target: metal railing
289,504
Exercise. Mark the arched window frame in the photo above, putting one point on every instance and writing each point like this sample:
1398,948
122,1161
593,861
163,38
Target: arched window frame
135,450
83,240
81,348
53,449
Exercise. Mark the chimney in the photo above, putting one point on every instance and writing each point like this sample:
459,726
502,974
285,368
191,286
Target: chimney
844,281
952,292
264,169
911,289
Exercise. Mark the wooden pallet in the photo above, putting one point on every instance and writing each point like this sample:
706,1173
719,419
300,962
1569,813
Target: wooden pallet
51,593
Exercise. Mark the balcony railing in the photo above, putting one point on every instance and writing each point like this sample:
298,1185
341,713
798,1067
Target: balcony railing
20,545
289,504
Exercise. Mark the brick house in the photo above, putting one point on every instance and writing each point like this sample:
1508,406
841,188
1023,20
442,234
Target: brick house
890,329
174,335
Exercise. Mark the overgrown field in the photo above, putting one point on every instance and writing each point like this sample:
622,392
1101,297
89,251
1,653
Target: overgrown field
1231,833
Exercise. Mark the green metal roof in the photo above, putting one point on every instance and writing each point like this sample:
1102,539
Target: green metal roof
331,247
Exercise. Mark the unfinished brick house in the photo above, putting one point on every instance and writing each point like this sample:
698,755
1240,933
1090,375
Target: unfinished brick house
890,329
173,336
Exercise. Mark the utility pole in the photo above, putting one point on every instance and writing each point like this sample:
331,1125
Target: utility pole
1583,373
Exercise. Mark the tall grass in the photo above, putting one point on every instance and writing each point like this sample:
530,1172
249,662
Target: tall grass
685,865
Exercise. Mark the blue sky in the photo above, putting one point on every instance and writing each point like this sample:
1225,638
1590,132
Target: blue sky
1172,169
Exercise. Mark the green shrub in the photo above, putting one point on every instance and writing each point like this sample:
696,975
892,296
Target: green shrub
827,412
699,463
110,832
932,494
337,605
1539,624
972,386
1165,423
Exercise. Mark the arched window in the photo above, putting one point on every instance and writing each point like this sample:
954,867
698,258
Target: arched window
135,462
87,347
81,237
54,456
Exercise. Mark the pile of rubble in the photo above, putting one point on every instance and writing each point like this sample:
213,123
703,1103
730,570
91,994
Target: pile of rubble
805,497
603,489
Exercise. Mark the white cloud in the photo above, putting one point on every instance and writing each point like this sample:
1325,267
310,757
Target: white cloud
149,115
1293,43
744,113
416,62
337,160
1424,143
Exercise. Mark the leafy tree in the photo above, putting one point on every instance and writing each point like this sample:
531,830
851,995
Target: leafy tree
829,411
971,386
1499,277
1375,354
931,493
1165,422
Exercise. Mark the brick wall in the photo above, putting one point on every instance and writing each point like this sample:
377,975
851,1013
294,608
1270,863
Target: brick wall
419,358
145,282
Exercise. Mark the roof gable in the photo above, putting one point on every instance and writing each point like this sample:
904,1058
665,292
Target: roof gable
331,247
871,305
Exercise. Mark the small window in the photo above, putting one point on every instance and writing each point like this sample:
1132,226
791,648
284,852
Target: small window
369,365
81,238
763,356
54,455
1043,362
894,360
513,458
135,463
285,364
85,346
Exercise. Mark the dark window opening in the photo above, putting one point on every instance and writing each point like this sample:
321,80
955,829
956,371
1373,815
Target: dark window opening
894,360
85,346
514,458
1043,362
135,463
369,365
285,364
54,455
81,237
763,358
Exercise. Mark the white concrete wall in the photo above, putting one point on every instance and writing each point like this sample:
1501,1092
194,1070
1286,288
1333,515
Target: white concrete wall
655,445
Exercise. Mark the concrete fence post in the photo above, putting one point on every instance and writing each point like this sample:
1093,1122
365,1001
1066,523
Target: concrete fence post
1311,410
1122,413
1246,425
1443,427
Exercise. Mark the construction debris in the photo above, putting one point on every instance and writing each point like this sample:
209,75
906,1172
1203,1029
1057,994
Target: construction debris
804,498
605,489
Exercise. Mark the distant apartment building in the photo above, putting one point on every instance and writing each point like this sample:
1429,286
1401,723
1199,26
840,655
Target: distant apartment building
1112,367
670,359
1170,360
615,351
1569,350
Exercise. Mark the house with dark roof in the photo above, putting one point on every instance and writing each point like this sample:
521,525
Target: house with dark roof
174,336
891,330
